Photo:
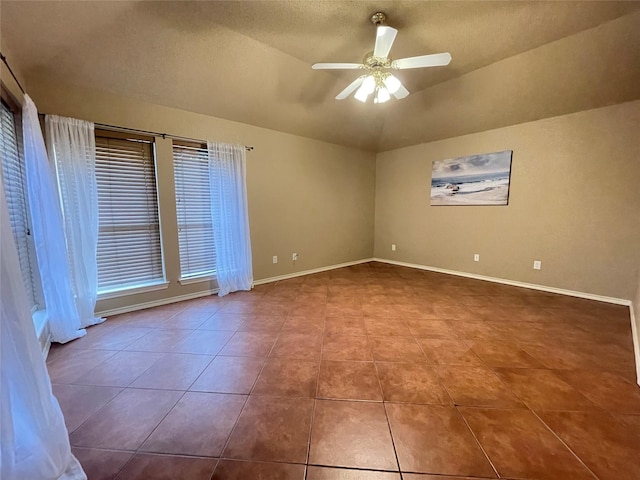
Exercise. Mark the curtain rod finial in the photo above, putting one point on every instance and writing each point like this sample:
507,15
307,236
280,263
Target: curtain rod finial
4,60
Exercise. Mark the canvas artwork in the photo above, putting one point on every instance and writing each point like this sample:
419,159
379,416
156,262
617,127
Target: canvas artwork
474,180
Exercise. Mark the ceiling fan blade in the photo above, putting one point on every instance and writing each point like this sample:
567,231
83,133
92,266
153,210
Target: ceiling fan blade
336,66
384,39
401,92
435,60
351,88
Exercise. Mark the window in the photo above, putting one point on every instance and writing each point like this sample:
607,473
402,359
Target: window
193,204
15,186
129,247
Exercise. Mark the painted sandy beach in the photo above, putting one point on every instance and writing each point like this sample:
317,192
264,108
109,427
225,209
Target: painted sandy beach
475,180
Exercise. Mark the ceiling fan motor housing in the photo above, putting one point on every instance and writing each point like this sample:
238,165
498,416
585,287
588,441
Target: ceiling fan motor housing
378,18
372,62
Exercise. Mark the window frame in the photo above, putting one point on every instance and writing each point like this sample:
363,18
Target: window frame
33,289
161,282
202,275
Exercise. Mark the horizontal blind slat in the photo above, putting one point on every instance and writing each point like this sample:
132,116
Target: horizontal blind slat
129,248
193,205
13,175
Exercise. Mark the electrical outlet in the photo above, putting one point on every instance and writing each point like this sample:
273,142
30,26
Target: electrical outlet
476,257
294,257
275,259
393,247
537,264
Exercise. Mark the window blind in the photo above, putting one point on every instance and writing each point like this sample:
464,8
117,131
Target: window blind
13,175
129,247
193,204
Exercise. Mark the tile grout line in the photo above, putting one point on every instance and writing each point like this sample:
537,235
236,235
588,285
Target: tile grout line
360,469
315,399
393,442
564,443
137,451
434,366
157,425
133,453
235,424
386,416
475,437
313,415
243,405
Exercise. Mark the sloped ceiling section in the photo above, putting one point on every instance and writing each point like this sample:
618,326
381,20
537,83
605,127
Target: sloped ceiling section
251,61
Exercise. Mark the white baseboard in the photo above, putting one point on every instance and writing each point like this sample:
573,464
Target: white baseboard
309,272
155,303
204,293
514,283
635,334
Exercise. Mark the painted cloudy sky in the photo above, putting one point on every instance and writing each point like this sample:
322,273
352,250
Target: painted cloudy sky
473,165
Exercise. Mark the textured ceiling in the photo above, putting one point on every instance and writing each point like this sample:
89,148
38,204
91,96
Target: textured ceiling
251,61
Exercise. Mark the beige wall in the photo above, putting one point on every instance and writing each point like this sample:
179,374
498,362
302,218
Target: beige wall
574,204
305,196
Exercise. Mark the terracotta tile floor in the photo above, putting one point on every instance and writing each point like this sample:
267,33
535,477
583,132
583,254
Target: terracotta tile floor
372,372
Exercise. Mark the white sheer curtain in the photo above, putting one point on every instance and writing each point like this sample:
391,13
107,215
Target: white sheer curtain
48,232
71,144
229,212
34,442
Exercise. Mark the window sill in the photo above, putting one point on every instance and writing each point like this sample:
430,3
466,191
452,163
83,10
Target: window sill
134,290
190,280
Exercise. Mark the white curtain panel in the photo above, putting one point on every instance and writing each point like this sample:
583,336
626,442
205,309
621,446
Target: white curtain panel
230,217
34,442
48,232
71,144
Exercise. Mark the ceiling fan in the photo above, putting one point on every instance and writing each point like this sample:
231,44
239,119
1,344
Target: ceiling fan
378,79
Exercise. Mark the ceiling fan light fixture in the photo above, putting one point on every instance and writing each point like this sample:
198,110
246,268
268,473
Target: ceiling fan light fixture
361,94
383,95
369,84
392,83
367,88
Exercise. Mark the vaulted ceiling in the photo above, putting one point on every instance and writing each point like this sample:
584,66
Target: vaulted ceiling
250,61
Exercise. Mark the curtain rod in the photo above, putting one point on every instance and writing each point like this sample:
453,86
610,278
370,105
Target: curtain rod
4,59
156,134
149,132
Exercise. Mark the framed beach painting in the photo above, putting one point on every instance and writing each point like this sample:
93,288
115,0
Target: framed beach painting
474,180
